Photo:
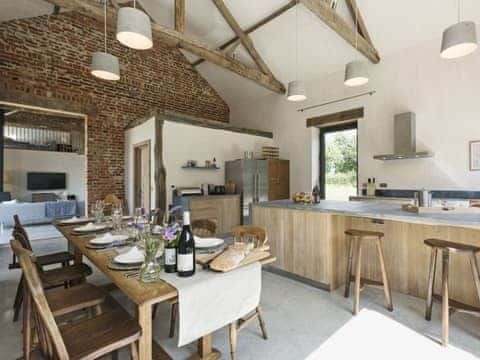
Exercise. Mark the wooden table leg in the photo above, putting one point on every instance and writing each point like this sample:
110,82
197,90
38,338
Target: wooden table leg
144,315
205,350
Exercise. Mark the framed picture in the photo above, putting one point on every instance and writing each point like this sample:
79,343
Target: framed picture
475,155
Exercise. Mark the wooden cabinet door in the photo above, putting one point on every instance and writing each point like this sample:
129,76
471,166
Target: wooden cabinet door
278,179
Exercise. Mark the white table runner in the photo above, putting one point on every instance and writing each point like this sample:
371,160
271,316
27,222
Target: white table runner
209,301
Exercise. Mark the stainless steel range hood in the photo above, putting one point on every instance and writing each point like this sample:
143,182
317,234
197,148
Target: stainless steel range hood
404,140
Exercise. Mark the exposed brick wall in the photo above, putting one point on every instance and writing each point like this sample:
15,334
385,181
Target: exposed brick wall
49,56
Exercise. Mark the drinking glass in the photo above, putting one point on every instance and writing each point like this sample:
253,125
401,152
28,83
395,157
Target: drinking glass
97,211
117,217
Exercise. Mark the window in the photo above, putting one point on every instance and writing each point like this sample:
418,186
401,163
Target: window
338,161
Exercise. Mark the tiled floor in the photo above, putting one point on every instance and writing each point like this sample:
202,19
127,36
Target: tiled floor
299,318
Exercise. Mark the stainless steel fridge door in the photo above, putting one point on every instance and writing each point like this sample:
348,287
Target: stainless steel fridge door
249,188
262,180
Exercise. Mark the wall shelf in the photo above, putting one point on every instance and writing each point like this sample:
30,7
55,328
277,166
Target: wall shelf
201,167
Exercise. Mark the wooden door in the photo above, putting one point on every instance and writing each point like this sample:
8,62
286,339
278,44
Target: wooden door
142,166
278,179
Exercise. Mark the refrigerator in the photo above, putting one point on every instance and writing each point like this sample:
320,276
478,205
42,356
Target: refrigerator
251,182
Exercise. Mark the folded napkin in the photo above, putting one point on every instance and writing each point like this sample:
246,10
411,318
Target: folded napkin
209,301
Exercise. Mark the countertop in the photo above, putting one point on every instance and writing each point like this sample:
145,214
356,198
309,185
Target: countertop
378,210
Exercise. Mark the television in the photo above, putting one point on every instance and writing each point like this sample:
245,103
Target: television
46,181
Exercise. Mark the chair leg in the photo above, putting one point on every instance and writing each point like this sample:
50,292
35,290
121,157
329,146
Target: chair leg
17,304
431,284
358,261
173,319
27,328
233,340
262,322
348,274
445,305
133,351
386,283
476,275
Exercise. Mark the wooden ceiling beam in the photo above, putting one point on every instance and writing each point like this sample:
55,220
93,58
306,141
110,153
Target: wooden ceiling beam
174,38
180,15
362,27
322,9
244,38
254,27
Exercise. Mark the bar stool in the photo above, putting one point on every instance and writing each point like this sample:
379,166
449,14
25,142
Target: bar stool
359,236
447,247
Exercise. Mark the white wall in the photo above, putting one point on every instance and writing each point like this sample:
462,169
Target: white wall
134,136
185,142
19,162
444,95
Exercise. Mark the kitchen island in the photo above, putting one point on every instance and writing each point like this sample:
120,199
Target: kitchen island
309,243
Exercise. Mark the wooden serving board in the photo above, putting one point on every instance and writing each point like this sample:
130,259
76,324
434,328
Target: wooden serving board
257,254
440,210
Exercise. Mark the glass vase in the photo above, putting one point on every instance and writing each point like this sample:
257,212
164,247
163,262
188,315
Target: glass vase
150,270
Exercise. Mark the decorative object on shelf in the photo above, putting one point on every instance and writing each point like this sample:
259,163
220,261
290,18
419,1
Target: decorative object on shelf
356,71
474,155
230,187
133,28
191,163
459,39
208,163
270,152
296,89
104,65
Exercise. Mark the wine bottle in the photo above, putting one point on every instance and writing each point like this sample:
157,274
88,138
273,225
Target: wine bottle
171,256
186,249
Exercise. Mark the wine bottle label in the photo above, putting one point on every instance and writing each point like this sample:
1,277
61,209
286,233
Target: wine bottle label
185,262
170,256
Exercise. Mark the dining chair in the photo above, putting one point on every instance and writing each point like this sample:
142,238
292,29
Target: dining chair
61,301
247,233
60,276
201,228
90,339
109,201
204,227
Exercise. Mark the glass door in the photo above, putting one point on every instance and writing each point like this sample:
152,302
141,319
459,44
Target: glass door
338,162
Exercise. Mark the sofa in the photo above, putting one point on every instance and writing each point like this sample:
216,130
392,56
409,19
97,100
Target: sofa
31,213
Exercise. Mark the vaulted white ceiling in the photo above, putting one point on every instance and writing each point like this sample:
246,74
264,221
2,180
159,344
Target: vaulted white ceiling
393,25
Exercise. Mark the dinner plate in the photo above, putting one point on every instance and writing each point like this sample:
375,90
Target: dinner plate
207,242
108,239
132,256
75,220
90,227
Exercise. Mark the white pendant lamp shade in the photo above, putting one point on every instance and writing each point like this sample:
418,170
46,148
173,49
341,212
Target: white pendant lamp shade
134,29
105,66
459,40
356,73
296,91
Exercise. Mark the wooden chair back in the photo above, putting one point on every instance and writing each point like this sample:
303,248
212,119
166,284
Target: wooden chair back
20,231
109,201
246,232
204,228
41,309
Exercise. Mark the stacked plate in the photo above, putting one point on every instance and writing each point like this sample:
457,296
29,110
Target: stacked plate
107,240
131,259
75,220
90,228
208,245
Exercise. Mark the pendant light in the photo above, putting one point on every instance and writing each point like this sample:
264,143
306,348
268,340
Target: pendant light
133,28
296,89
356,72
459,39
104,65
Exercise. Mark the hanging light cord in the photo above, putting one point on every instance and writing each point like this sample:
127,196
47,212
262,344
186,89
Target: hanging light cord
296,41
356,31
134,4
105,23
458,10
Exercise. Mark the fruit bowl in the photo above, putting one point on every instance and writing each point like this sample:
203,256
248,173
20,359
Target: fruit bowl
302,197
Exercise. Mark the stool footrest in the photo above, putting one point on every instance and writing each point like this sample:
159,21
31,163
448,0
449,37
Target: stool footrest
459,306
367,282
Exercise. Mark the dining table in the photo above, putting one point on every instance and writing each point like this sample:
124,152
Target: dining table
143,295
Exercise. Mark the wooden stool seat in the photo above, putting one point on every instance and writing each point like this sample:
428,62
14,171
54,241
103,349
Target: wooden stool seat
79,297
364,233
451,246
359,236
447,247
59,276
110,330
